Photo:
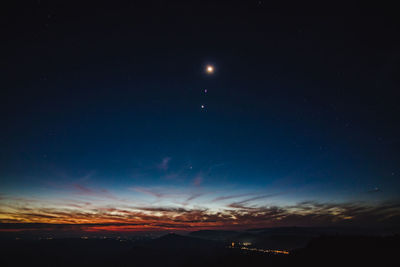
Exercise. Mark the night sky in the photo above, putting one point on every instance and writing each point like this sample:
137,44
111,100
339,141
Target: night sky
109,119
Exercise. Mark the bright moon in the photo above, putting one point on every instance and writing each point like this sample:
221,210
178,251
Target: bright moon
210,69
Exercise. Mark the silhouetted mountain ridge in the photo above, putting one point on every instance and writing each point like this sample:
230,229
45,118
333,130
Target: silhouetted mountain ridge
214,234
178,250
175,241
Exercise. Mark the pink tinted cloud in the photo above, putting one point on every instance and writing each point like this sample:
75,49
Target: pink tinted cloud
83,190
148,191
164,164
198,181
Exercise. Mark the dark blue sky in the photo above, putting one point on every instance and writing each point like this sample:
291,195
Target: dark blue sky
301,108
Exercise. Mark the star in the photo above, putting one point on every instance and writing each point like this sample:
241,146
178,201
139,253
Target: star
202,106
210,69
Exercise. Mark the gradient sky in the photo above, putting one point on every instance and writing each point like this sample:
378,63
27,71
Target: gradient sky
102,125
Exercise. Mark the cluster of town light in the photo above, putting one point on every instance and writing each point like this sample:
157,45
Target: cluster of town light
244,246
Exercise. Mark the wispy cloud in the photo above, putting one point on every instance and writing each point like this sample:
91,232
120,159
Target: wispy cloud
232,196
242,203
194,196
164,164
240,215
198,180
86,191
191,197
82,189
88,176
148,192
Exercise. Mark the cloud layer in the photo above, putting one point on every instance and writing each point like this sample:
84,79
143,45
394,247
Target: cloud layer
23,214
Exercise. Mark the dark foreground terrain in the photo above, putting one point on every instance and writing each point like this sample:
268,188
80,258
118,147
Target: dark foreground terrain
178,250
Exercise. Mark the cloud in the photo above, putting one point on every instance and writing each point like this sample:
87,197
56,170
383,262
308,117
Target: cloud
243,202
164,164
84,190
101,193
88,176
232,196
237,215
198,180
148,191
194,196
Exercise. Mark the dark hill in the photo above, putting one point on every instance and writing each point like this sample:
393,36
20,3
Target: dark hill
214,234
174,241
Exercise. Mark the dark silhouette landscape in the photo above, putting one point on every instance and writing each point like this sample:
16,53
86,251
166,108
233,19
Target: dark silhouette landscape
261,247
